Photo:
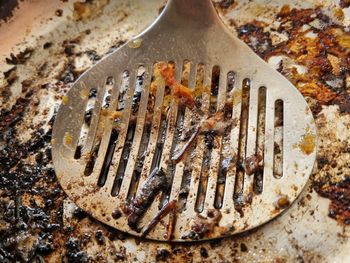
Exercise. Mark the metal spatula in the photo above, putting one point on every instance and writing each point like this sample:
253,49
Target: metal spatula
183,133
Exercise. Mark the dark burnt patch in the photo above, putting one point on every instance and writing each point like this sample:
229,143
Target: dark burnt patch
226,4
253,34
6,9
20,58
344,3
343,101
10,75
9,118
28,224
339,194
163,255
73,252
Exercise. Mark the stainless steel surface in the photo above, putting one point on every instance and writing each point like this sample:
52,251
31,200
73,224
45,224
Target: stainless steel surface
185,31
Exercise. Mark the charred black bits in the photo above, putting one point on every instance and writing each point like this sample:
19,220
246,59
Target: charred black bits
162,254
69,50
93,56
204,253
44,248
88,116
99,237
78,257
79,213
59,12
116,214
10,75
226,3
20,58
92,93
256,38
243,247
322,162
39,157
209,139
47,45
121,254
69,74
73,253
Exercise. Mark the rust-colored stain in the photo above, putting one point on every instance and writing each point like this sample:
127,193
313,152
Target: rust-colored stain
325,55
339,194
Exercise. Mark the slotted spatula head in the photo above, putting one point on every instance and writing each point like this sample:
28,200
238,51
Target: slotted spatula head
117,138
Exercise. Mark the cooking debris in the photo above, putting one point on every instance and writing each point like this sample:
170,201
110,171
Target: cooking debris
339,194
344,3
182,93
253,164
27,224
307,144
156,182
202,226
7,9
88,9
215,125
282,202
21,57
315,42
166,209
135,43
68,139
226,5
111,114
32,230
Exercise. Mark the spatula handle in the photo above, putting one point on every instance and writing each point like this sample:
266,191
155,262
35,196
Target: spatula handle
198,11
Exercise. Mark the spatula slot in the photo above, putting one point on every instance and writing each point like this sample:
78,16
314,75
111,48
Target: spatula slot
278,140
225,155
146,126
123,90
260,140
89,109
104,101
241,153
185,144
215,82
210,141
134,87
109,155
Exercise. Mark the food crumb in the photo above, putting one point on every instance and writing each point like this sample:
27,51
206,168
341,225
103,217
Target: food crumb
307,144
68,139
65,100
59,12
282,202
111,114
135,43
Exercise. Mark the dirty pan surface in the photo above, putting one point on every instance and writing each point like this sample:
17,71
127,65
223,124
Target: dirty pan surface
53,43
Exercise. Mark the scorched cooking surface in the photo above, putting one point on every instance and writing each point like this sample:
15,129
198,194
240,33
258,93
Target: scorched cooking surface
44,47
